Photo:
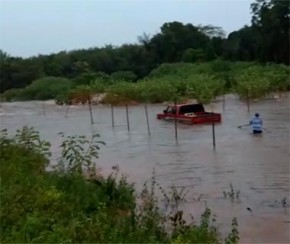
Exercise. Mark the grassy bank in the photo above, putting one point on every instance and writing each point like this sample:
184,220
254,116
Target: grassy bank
168,82
75,203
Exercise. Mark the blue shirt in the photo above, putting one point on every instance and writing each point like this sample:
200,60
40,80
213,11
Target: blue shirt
256,124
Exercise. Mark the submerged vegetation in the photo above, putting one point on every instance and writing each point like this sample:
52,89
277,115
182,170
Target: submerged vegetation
75,203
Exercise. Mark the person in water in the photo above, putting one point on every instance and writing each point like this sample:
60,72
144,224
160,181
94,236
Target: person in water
256,124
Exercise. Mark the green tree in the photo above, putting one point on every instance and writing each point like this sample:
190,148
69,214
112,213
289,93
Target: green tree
203,87
210,53
46,88
253,83
174,39
212,31
271,18
193,55
124,75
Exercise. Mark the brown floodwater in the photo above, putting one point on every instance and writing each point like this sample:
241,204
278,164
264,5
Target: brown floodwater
257,166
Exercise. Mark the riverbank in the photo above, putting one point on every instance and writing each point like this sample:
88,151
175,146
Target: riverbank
64,206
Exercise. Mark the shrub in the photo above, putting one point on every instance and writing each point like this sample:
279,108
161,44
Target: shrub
12,94
65,206
252,83
84,79
278,76
114,99
204,88
124,89
157,90
46,88
128,76
168,82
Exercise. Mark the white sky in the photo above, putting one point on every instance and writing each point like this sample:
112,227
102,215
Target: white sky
31,27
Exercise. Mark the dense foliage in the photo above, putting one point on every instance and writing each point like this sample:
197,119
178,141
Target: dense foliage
76,204
168,82
265,40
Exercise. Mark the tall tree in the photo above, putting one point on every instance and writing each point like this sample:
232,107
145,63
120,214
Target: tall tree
175,37
271,18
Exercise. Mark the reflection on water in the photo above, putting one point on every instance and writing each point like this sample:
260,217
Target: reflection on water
258,166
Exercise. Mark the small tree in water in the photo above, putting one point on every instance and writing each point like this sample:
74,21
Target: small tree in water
204,88
252,84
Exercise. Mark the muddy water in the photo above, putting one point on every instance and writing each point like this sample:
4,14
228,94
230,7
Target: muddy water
257,166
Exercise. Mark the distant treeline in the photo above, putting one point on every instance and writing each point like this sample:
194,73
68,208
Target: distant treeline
265,40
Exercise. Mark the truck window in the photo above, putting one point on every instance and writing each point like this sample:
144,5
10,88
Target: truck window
171,110
192,108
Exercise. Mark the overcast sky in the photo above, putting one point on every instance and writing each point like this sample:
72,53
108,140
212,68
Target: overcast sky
32,27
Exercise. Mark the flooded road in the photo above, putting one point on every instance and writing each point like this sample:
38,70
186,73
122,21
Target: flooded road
257,166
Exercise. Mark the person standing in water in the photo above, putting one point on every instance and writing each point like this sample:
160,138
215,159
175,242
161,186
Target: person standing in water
256,124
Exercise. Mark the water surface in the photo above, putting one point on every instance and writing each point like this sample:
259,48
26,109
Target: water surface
257,166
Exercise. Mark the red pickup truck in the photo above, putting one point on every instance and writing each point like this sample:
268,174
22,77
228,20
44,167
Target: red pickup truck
189,113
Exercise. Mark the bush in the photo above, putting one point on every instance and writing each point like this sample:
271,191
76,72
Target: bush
252,83
98,86
84,79
181,70
12,95
204,88
64,206
128,76
46,88
279,77
63,98
157,90
114,99
168,82
124,89
79,95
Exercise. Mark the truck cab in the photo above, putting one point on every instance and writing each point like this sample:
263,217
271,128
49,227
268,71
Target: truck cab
185,109
192,113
